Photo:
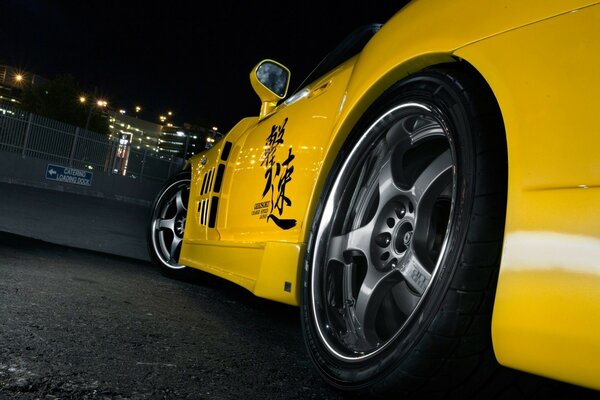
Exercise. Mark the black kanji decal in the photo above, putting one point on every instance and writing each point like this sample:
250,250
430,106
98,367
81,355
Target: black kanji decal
277,176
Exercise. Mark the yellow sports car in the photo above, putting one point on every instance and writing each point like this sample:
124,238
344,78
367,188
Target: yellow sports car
430,197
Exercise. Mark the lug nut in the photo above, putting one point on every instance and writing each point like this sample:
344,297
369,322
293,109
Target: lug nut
383,239
400,212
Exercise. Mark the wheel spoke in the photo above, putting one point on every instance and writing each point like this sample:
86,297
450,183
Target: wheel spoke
423,128
372,292
415,274
405,299
432,182
179,202
433,179
166,224
387,187
354,335
362,188
348,278
356,240
173,250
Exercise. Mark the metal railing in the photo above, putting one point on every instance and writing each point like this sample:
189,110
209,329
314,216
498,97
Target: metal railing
39,137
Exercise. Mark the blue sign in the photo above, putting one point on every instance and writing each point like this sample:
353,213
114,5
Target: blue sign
68,175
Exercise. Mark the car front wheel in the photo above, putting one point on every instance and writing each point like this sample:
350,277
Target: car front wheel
399,274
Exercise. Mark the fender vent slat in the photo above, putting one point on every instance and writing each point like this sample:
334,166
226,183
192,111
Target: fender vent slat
219,178
201,208
226,151
207,182
214,204
203,184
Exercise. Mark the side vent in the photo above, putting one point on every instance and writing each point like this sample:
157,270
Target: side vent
203,211
214,205
226,151
212,182
207,182
219,178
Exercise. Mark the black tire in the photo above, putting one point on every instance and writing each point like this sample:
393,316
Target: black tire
401,265
167,224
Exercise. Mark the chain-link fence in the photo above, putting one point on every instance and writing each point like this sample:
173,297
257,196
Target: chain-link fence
35,136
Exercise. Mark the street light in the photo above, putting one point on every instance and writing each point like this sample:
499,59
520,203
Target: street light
87,122
99,103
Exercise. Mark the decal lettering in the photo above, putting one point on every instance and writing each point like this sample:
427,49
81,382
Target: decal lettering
277,177
261,209
417,278
274,139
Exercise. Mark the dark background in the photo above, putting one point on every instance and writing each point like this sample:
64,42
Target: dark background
192,58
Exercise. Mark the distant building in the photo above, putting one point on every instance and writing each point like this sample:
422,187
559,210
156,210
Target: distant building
130,134
141,134
185,141
13,80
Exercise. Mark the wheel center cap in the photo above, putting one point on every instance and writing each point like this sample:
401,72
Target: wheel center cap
181,226
407,237
403,237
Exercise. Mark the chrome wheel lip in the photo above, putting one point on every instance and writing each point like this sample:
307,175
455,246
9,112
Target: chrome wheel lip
329,211
157,236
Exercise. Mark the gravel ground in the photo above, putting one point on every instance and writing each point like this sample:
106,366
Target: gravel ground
77,324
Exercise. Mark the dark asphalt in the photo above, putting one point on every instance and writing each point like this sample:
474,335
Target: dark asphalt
77,324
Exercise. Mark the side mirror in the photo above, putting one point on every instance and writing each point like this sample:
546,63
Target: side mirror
270,81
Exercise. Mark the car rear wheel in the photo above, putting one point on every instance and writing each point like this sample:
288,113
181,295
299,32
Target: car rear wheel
400,269
167,224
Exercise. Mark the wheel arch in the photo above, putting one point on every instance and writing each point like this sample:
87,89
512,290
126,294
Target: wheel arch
552,159
357,105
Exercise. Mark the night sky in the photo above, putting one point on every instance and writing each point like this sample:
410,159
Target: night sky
192,58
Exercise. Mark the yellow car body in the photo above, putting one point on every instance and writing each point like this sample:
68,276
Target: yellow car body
541,60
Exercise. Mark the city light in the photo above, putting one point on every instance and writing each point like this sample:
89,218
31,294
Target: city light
138,109
102,103
214,128
18,77
82,99
121,111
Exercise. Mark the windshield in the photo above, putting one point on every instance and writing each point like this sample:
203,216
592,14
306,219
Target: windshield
348,48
